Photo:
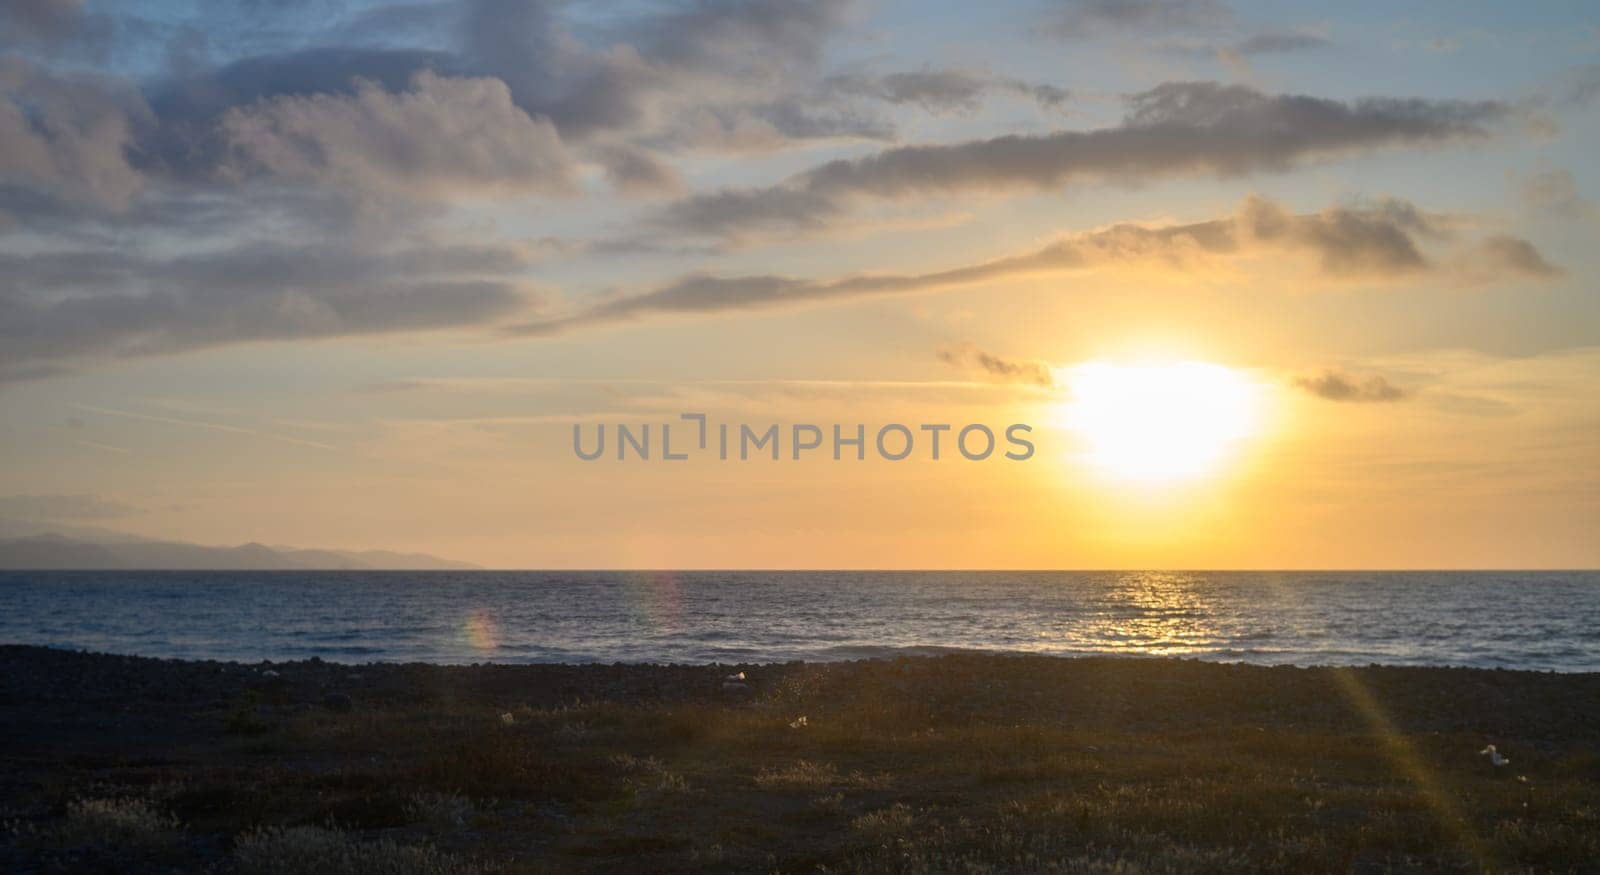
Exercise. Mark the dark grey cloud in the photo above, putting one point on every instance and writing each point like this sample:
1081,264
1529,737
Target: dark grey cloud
1334,385
1085,18
60,311
441,137
633,170
752,48
1375,242
1000,369
207,93
1180,128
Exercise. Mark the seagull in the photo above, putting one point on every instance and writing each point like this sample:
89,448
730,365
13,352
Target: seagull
1494,756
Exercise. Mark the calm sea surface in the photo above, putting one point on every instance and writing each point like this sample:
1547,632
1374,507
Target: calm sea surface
1544,620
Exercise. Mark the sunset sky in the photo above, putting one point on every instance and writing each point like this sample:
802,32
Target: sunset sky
1274,289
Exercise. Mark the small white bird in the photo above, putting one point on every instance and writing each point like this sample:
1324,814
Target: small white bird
1494,756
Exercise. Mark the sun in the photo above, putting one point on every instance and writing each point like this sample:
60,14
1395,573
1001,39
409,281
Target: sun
1159,422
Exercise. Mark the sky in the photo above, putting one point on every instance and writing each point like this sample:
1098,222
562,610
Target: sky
1282,285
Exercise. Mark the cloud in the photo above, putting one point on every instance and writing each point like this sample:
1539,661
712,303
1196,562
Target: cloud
52,26
204,425
1554,192
777,124
942,91
1501,255
1580,86
67,139
1333,385
492,103
632,170
1374,242
41,19
1238,53
846,106
1274,43
652,64
78,506
1180,128
1001,370
443,137
59,311
1074,19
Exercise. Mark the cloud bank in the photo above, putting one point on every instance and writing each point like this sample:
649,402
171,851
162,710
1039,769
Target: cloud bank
1378,242
238,174
1176,129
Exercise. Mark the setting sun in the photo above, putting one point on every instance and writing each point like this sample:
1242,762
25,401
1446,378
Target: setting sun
1159,422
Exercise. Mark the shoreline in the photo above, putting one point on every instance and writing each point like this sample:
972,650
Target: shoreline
858,654
123,763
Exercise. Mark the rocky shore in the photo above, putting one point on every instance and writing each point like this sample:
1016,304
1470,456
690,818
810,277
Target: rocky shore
898,765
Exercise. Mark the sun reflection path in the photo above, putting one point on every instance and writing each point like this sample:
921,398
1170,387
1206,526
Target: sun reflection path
1164,613
1150,613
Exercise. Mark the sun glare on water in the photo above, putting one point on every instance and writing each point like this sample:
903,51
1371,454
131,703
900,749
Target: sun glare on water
1159,422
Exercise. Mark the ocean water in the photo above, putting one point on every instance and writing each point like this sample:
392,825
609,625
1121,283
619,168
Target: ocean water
1529,620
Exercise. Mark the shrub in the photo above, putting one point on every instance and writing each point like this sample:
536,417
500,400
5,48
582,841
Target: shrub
310,850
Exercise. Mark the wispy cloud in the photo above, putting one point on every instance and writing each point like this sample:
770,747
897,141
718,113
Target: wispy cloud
998,368
1332,385
942,91
204,425
1079,19
105,448
1380,241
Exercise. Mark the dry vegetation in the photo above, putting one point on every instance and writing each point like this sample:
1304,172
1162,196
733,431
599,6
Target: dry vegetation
956,764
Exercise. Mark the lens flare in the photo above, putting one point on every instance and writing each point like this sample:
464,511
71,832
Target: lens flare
655,599
483,633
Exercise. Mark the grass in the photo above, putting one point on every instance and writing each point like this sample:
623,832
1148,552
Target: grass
907,769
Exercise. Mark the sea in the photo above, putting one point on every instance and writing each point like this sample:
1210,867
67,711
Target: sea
1548,621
